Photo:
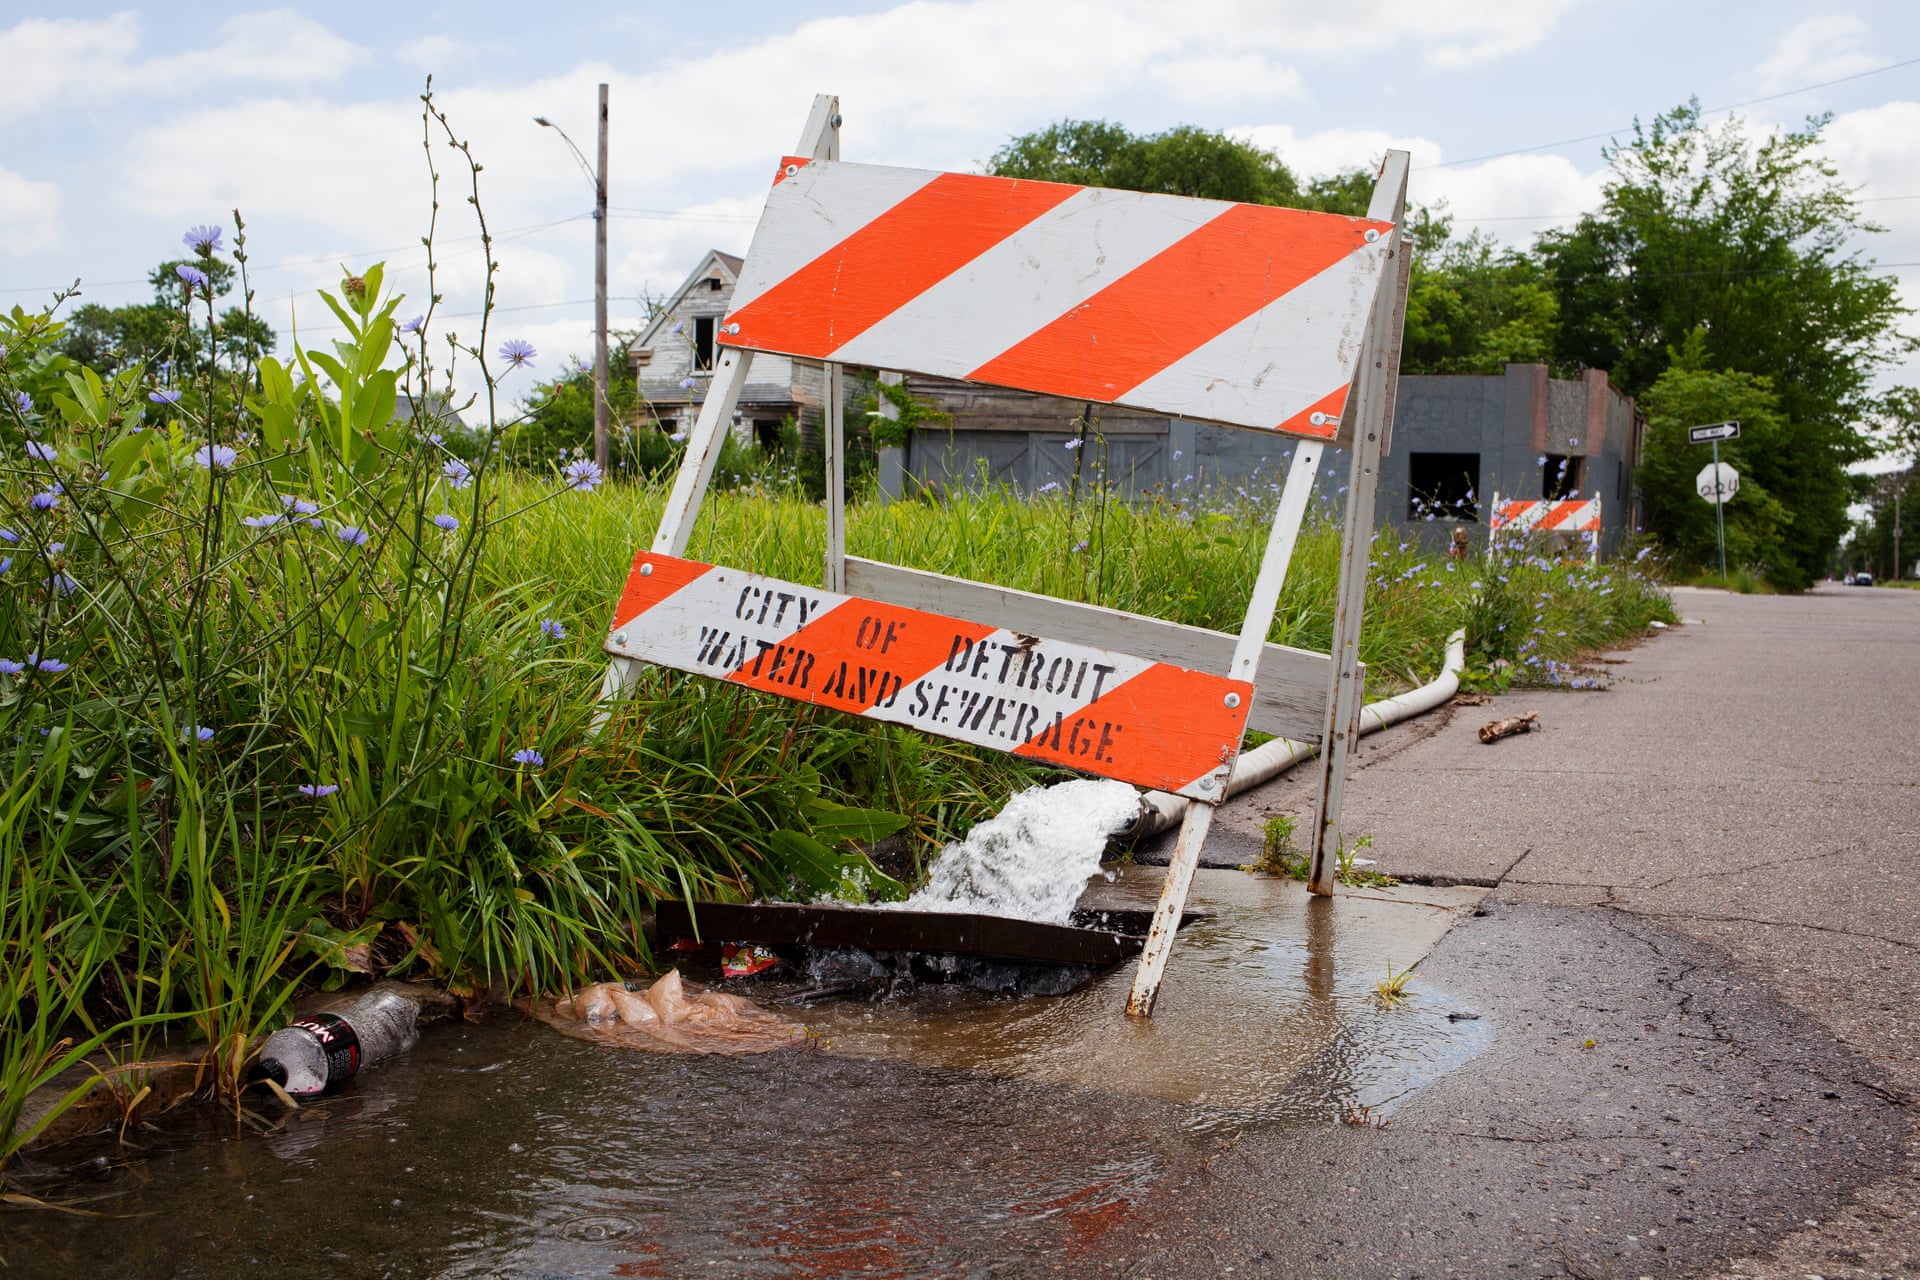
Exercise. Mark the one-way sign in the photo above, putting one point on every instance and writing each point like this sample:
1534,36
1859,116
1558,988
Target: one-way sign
1713,432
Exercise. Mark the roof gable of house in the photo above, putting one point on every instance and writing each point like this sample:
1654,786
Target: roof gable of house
724,265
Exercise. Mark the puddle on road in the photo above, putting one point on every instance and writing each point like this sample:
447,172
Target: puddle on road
939,1137
1267,1007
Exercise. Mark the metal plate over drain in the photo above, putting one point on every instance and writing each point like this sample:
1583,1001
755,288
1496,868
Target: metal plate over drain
1096,938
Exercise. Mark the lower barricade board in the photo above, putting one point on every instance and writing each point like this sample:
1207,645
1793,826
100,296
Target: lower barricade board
1085,708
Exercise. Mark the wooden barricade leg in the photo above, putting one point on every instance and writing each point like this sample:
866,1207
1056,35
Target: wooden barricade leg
834,434
1379,363
689,489
1245,666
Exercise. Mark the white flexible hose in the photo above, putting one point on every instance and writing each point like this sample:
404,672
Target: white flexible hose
1162,809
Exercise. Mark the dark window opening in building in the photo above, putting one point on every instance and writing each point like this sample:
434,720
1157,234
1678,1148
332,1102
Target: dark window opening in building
703,342
766,432
713,284
1443,486
1560,476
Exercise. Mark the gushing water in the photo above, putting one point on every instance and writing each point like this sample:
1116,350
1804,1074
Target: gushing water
1031,860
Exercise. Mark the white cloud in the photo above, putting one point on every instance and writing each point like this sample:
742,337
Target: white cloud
1818,49
29,211
1469,33
1878,150
45,57
1512,198
1223,80
435,53
50,60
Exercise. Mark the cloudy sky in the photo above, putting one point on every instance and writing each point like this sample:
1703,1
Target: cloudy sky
122,125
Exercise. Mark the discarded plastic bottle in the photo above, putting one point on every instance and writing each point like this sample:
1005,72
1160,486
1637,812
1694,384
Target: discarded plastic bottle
309,1056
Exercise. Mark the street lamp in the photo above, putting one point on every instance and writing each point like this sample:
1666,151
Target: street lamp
598,177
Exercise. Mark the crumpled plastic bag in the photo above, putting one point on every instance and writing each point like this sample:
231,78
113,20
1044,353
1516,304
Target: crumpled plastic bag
668,1018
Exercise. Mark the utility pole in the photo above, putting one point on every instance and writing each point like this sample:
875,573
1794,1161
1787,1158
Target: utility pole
597,175
601,406
1897,575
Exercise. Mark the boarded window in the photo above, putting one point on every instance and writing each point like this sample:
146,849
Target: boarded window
703,342
1443,486
1562,476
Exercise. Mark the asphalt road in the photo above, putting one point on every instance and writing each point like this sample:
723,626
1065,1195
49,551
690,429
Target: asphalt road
1706,870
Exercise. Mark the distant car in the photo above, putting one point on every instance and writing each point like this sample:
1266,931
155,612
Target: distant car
1861,580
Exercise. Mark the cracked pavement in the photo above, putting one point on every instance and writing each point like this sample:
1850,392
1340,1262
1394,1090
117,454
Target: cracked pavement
1743,803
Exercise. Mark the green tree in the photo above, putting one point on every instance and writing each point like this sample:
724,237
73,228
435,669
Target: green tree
1746,243
162,332
559,419
1473,307
1183,161
1761,532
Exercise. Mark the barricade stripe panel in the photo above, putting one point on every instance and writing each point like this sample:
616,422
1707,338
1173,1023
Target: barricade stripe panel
1329,407
1286,358
811,212
1120,716
1576,515
1180,300
1052,265
1108,730
1059,290
890,261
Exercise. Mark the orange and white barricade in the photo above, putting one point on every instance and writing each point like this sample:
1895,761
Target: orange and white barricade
1251,316
1548,515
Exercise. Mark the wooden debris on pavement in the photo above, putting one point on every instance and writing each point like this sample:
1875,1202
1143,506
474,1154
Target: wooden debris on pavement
1509,725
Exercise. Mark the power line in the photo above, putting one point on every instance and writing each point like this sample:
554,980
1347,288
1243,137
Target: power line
1710,111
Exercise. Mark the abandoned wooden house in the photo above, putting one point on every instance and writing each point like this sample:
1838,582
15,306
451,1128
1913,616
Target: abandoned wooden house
674,357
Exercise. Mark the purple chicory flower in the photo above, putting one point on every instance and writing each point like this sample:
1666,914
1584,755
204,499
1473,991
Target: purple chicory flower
194,276
8,535
1080,545
44,452
62,585
458,473
202,239
527,755
1073,444
516,352
414,325
351,534
8,667
44,501
583,474
23,402
52,666
447,522
318,789
262,522
217,457
6,563
553,629
166,396
686,382
299,506
203,733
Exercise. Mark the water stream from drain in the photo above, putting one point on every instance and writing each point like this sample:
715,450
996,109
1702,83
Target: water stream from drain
1032,860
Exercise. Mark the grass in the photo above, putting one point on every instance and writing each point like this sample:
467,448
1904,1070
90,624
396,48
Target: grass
1391,990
